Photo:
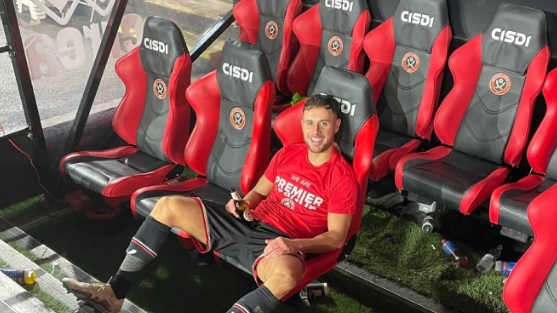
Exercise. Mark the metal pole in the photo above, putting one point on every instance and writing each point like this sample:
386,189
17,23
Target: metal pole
95,76
211,35
25,86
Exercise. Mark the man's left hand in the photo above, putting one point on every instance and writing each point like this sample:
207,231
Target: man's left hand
279,246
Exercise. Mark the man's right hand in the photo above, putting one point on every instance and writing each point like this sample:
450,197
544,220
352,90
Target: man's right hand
231,208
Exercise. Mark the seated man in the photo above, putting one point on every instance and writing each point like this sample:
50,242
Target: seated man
303,204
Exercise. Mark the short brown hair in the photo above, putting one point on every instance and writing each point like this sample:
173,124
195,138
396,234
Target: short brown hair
323,101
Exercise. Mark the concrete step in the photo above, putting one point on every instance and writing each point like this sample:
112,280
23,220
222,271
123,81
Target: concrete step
47,282
15,299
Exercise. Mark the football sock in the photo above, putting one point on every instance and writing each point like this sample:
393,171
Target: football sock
143,249
259,300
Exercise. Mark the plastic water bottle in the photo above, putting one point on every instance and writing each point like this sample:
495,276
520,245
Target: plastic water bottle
504,268
57,271
21,276
427,224
450,248
488,260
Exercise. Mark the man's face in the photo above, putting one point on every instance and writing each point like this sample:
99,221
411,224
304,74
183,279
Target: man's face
319,126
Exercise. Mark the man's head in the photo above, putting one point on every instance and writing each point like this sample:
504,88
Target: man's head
320,122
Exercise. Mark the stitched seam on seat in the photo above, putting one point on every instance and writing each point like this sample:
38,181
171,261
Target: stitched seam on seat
489,111
477,139
421,82
551,294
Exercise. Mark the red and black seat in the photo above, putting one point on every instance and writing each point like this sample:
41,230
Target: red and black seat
153,118
355,138
330,33
268,24
510,203
484,121
229,146
532,285
407,56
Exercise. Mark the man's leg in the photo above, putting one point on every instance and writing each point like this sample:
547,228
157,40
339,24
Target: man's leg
280,276
173,211
184,213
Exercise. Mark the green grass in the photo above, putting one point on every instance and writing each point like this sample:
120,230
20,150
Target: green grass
412,262
49,301
188,173
25,208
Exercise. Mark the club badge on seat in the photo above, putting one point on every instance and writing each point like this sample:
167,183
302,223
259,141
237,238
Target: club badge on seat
499,84
159,87
335,45
237,118
410,62
271,30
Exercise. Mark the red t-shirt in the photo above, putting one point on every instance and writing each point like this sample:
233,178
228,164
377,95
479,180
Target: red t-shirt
304,194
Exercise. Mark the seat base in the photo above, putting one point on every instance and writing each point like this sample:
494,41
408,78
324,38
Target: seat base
450,177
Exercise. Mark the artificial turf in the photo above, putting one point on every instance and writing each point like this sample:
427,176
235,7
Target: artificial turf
46,299
415,259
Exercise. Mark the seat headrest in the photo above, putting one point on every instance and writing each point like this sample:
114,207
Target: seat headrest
243,69
354,93
340,15
161,45
417,23
514,37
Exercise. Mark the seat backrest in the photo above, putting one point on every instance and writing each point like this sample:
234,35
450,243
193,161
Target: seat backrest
359,125
268,24
231,140
532,285
407,56
497,75
542,150
154,114
330,33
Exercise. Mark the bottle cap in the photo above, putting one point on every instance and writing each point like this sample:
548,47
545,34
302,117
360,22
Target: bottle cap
29,277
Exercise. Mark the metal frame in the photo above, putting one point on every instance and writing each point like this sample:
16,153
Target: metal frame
211,35
21,70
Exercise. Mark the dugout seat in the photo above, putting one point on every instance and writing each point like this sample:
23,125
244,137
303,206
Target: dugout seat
484,121
356,139
407,53
268,24
330,33
532,284
153,118
510,203
229,146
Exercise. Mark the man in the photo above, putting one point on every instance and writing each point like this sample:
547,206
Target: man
303,204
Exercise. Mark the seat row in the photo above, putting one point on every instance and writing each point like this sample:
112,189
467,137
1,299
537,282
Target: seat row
483,122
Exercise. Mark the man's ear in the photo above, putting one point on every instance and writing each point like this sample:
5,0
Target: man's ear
337,125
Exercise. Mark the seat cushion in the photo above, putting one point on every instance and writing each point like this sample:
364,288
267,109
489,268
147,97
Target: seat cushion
144,200
509,203
116,172
450,177
389,148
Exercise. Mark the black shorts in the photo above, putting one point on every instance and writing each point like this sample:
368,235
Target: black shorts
235,238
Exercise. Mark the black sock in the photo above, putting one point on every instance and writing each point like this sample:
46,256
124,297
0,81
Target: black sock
259,300
143,249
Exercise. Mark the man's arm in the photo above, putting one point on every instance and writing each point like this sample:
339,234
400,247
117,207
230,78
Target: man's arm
261,190
332,239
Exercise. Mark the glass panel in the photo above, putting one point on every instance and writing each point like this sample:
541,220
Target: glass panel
62,37
11,111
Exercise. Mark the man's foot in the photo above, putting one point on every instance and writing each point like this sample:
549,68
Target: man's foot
99,295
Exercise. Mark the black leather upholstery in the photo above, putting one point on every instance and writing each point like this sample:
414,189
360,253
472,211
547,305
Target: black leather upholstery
418,23
513,211
525,23
269,12
446,179
387,140
546,300
94,173
354,92
242,72
335,23
145,202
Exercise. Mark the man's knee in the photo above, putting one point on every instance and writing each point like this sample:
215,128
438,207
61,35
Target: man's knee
167,206
284,279
288,279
